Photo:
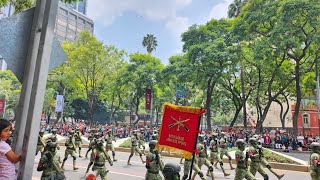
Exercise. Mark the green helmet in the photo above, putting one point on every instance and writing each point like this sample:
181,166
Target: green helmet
253,141
240,144
201,138
96,135
152,144
223,134
51,146
171,171
54,131
315,147
99,143
256,136
71,132
41,132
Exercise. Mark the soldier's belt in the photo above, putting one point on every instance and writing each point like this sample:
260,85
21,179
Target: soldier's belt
134,145
153,172
98,164
70,148
240,167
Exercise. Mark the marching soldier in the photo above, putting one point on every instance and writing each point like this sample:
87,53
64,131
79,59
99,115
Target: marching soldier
195,167
315,161
49,163
141,141
71,150
202,157
134,147
171,171
53,137
40,143
153,163
215,154
109,146
265,163
92,142
242,162
100,157
92,146
255,154
78,140
224,149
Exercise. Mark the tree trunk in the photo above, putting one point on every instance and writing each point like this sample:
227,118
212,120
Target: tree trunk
235,117
244,107
298,100
210,86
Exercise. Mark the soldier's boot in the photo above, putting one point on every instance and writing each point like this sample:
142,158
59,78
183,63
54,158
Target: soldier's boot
193,176
129,160
113,156
80,154
62,165
89,165
74,165
279,176
86,154
231,167
224,171
181,161
200,175
208,173
142,159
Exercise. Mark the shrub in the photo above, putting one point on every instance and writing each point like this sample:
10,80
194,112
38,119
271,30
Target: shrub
126,143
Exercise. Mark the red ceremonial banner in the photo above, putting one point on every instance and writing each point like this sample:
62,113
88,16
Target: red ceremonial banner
2,105
179,129
148,99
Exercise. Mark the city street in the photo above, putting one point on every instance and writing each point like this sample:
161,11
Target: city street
121,171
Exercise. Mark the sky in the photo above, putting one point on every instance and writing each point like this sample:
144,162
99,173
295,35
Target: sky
124,23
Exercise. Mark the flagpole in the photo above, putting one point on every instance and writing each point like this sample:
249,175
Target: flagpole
194,148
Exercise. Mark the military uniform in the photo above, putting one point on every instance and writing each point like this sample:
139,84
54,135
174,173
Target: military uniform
242,162
134,147
100,157
109,146
224,149
255,154
187,166
315,161
71,150
78,140
40,143
93,138
141,141
153,163
202,158
215,154
49,164
53,137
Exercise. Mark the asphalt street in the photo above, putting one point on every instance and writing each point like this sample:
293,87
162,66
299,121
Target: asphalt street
121,171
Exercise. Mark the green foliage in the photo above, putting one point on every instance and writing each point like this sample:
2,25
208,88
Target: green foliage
150,41
273,157
126,143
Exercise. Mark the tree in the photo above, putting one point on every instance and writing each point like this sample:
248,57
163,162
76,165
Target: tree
49,103
208,49
150,41
89,64
235,8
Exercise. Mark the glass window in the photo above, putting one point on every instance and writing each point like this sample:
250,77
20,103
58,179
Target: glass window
82,21
72,22
61,33
306,119
71,31
72,16
89,25
72,27
62,22
70,37
64,17
62,11
79,26
60,27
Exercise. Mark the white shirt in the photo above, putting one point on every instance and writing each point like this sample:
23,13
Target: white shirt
7,168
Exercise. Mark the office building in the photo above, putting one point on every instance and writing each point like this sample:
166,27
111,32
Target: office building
71,19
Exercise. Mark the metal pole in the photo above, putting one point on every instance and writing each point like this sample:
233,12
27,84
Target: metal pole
318,94
194,148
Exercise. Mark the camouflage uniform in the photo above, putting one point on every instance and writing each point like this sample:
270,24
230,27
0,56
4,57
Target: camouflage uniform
215,154
242,162
49,164
171,171
92,146
100,157
93,137
71,149
40,143
153,163
53,137
141,141
255,154
109,145
202,157
315,161
187,166
224,149
78,140
134,148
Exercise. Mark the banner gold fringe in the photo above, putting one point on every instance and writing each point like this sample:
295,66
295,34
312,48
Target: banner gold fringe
182,153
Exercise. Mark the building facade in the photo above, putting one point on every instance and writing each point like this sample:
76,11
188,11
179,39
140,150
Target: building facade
71,21
307,120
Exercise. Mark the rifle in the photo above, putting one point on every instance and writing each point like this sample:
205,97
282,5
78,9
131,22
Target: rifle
246,160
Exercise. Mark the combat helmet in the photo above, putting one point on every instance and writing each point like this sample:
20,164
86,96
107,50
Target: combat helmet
253,141
315,147
240,144
51,146
54,131
152,144
171,171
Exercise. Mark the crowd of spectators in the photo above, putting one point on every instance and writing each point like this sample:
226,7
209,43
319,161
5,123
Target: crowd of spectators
275,138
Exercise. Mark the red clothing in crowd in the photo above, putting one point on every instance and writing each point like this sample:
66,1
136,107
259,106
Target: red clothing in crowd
267,139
